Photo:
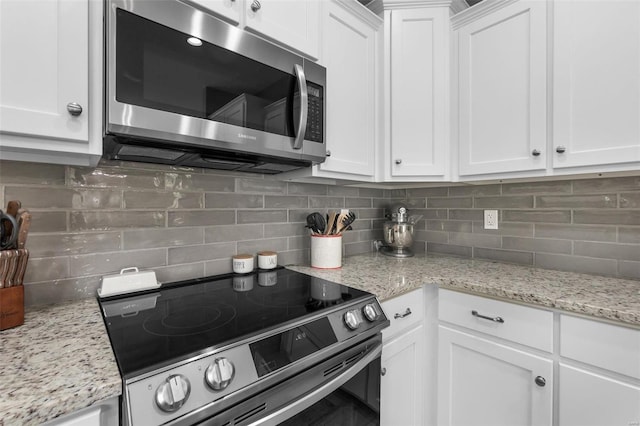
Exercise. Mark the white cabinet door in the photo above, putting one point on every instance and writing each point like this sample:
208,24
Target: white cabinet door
294,23
481,382
418,93
502,91
590,399
350,52
596,82
402,384
44,60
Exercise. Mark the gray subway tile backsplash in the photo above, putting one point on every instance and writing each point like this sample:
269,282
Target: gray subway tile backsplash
599,201
187,223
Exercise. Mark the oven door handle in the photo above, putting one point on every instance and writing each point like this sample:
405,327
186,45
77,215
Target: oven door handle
304,105
320,392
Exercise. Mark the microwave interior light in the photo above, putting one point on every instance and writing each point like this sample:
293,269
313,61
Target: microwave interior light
194,41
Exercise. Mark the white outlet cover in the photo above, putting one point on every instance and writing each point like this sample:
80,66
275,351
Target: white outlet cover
491,219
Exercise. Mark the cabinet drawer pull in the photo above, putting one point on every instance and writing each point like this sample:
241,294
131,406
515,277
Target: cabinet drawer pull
383,371
406,314
494,319
540,381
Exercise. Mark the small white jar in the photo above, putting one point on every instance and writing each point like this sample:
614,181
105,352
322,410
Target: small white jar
242,263
267,259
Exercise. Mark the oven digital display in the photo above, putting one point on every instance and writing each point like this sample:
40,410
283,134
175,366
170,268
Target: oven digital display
277,351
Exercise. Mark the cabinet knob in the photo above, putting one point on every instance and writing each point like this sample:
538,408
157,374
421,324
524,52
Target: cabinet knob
399,161
561,149
328,154
540,381
255,5
383,371
535,152
74,108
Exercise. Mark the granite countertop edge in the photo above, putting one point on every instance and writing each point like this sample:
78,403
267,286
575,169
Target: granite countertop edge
600,297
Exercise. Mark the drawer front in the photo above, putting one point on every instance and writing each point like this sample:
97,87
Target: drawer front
520,324
603,345
403,312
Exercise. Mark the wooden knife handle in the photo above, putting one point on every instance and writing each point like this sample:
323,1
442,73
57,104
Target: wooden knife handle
23,226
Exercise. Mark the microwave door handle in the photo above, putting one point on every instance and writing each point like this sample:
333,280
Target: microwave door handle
320,392
304,105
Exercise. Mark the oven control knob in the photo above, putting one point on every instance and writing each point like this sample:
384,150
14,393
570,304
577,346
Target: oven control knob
219,374
352,319
370,312
173,393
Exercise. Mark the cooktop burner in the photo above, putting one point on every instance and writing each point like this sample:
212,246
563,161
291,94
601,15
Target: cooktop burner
184,319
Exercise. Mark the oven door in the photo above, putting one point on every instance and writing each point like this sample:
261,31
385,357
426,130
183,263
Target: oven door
343,390
177,74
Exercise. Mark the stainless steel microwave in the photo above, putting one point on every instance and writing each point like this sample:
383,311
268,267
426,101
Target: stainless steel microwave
186,88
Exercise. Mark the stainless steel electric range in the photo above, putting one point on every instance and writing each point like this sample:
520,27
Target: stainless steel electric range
273,347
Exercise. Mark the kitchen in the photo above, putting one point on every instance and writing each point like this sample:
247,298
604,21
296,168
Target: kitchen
187,222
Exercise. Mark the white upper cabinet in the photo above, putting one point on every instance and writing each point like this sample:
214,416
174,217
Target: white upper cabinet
352,55
45,58
417,94
596,83
502,75
293,23
43,74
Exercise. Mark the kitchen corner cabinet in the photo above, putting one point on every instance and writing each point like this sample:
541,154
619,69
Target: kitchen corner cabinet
402,388
416,93
502,88
46,74
492,366
596,84
599,373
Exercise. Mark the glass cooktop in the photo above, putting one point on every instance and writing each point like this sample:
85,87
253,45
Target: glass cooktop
187,318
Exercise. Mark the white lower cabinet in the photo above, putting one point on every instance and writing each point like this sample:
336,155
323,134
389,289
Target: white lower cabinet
482,382
592,399
599,381
402,382
403,362
495,362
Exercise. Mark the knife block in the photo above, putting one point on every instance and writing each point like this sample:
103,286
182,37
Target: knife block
11,307
13,265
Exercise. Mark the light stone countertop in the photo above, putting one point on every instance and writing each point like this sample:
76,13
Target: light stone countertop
59,361
600,297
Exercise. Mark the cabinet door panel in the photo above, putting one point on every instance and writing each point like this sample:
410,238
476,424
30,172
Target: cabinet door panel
45,68
589,399
502,83
418,92
351,65
293,23
484,383
596,72
402,386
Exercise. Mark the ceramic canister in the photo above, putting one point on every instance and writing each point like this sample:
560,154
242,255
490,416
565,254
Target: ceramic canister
326,251
242,263
267,259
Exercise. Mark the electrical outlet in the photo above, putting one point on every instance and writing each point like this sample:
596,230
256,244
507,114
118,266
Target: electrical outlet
491,219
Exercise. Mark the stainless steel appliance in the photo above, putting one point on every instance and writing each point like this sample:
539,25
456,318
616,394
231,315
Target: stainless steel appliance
185,88
282,349
398,232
